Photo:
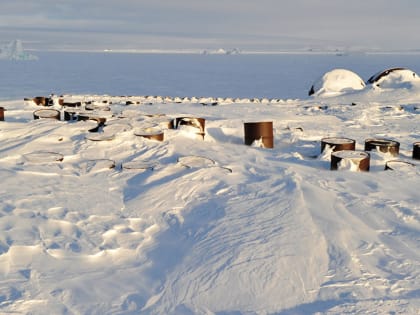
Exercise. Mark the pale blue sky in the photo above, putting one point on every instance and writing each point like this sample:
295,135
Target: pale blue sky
246,24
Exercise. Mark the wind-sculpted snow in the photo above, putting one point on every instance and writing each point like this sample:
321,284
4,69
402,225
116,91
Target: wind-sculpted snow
233,229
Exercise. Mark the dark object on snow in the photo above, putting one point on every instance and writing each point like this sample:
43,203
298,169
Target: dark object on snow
1,113
71,104
259,131
338,144
416,150
311,91
383,145
351,160
69,115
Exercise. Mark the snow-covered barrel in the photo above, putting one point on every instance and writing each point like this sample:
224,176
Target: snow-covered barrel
335,82
47,113
394,78
152,133
350,160
1,113
260,133
382,145
194,122
338,143
399,165
91,116
416,150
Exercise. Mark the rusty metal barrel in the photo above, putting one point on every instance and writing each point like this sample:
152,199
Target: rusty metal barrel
259,131
416,150
152,133
350,160
338,143
382,145
399,165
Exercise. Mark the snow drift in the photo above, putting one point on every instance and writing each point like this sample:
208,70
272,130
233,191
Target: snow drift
335,82
236,230
395,78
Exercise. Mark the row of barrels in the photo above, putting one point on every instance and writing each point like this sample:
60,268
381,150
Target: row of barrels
128,100
151,132
261,134
343,151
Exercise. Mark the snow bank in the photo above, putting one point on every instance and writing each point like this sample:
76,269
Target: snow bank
395,78
14,51
336,82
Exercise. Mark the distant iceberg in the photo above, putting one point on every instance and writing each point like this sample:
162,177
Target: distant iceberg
14,51
221,51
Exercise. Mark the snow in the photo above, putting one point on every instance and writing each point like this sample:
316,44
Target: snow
337,81
395,78
109,222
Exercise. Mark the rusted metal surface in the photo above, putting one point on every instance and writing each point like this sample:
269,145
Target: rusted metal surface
259,131
338,143
152,133
382,145
351,160
416,150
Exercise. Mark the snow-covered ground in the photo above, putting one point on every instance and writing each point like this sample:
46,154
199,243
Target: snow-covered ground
129,225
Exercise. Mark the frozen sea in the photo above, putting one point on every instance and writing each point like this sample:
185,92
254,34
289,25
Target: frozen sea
283,76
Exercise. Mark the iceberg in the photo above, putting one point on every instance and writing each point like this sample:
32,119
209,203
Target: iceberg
14,51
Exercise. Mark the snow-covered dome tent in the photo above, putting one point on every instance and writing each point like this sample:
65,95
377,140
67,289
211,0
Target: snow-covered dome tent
394,78
337,81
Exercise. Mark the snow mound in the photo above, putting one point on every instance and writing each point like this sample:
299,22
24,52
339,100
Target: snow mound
335,82
14,51
394,78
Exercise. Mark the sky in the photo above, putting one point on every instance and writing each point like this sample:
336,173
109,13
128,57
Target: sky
243,24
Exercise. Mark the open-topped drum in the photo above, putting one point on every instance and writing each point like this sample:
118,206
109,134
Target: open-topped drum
260,133
47,113
416,150
350,160
382,145
338,144
152,133
399,165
